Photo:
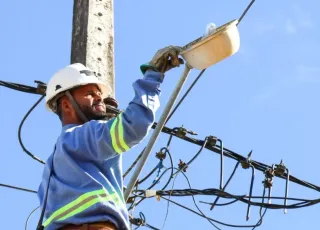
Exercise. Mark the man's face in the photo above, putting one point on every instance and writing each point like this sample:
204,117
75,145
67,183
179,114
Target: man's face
90,101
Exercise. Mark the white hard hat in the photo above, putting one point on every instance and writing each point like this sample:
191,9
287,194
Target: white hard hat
70,77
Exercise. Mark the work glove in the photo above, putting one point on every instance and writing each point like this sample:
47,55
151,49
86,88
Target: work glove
111,107
164,60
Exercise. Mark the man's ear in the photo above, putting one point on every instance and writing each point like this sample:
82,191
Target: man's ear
66,106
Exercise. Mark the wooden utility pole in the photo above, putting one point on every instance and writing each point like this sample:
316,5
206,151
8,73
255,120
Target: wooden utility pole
93,37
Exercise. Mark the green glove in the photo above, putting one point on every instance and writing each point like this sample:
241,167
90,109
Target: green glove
164,60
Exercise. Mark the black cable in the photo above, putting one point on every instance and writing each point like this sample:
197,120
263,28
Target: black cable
18,188
260,220
169,141
21,88
167,211
193,158
155,182
141,191
26,224
185,95
148,175
151,227
19,132
217,192
233,155
225,186
195,203
133,164
138,158
171,168
281,206
166,151
303,203
220,204
151,186
282,198
245,11
258,203
259,166
259,197
162,174
40,226
216,221
141,222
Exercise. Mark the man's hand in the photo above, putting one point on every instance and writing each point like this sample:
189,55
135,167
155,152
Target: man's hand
164,60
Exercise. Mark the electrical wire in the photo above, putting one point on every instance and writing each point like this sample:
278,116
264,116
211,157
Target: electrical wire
199,214
195,203
185,95
239,158
243,198
211,220
167,211
233,155
155,182
166,151
18,188
141,222
133,164
26,224
186,192
192,192
225,186
19,132
193,158
301,204
23,88
245,11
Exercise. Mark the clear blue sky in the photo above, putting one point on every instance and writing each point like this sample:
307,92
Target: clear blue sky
265,98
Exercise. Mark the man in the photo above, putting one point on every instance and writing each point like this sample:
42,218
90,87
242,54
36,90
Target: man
82,186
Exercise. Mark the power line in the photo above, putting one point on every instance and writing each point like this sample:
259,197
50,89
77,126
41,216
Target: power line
209,143
18,188
20,128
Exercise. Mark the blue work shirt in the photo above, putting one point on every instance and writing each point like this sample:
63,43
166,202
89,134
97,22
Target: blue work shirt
86,184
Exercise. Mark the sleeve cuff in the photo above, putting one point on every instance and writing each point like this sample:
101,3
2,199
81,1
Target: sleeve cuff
145,67
154,76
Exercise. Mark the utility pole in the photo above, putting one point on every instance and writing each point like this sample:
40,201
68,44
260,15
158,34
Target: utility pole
93,37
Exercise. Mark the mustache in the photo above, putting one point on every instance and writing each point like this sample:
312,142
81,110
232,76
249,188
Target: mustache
99,103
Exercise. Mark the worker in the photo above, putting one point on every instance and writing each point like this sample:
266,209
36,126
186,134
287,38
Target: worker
82,185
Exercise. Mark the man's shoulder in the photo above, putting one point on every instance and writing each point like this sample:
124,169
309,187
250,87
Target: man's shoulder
72,127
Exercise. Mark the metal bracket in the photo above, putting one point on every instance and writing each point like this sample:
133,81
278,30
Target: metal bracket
41,88
182,166
161,155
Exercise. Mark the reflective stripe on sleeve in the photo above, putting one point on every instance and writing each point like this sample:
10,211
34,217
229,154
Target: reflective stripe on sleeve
120,131
117,139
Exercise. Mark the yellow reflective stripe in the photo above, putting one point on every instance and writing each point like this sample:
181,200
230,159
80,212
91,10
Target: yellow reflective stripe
102,198
83,202
116,131
113,136
120,200
122,142
72,204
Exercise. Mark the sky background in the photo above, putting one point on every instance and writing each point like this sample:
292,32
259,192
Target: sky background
264,98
